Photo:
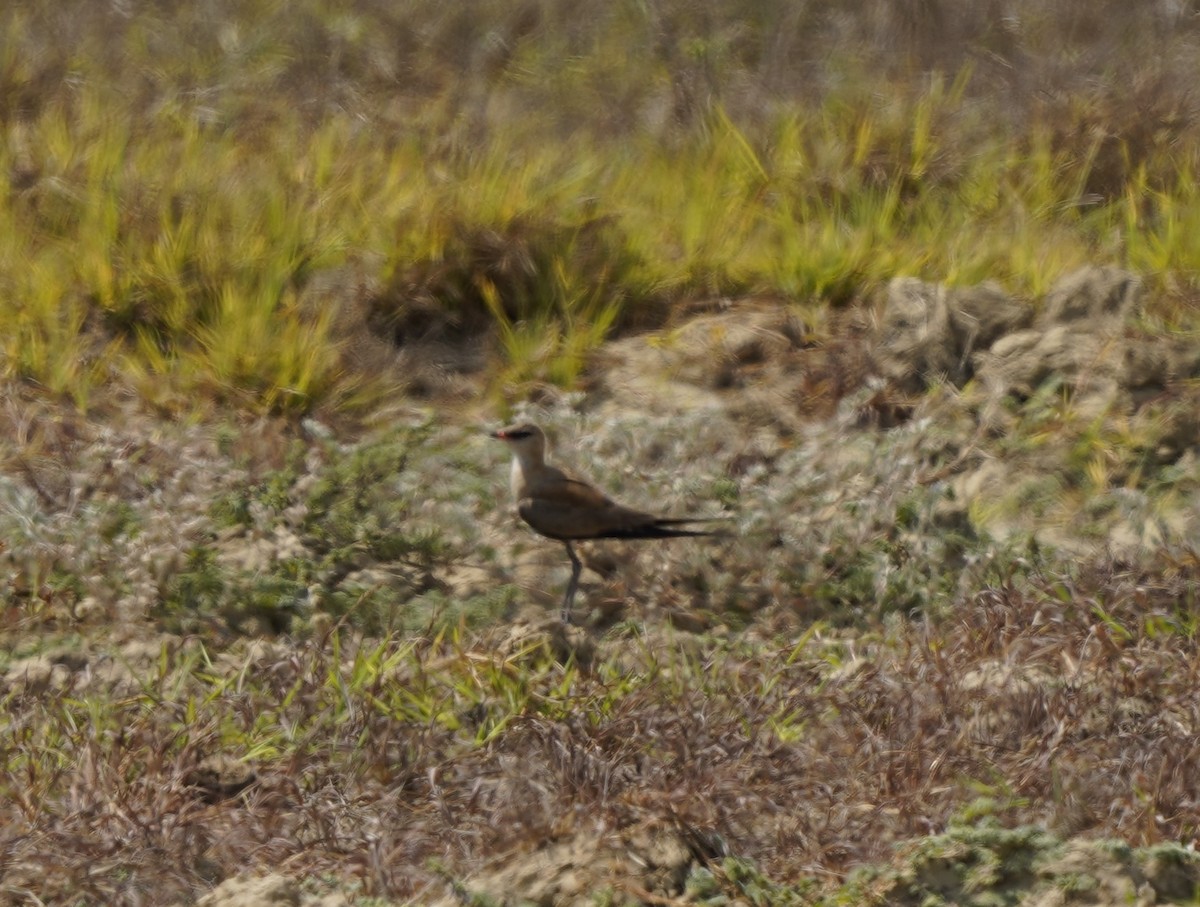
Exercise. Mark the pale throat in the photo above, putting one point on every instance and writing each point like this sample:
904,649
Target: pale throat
517,481
529,469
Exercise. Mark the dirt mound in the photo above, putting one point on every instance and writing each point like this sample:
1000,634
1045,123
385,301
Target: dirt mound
755,361
1081,336
1063,410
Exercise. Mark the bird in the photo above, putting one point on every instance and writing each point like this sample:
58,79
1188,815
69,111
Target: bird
561,507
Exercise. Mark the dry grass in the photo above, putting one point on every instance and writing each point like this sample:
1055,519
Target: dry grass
891,671
1065,702
236,638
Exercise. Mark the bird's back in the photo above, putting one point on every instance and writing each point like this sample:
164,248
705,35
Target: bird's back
559,506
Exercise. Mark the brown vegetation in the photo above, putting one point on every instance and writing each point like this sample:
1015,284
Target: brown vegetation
1066,702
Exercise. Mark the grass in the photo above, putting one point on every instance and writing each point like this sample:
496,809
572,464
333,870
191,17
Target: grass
174,200
403,740
262,610
366,672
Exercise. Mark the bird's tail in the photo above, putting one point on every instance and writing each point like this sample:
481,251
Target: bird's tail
670,527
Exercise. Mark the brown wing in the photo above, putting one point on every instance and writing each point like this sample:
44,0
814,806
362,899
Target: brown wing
575,510
561,507
576,493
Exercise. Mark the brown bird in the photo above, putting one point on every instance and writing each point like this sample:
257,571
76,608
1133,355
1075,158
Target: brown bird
564,508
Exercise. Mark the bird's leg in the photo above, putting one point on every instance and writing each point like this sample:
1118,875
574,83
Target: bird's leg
576,569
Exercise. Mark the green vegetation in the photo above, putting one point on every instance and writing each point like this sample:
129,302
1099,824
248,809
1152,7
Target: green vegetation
210,206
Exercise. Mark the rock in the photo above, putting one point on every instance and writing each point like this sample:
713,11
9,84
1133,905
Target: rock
1078,340
1020,363
272,890
982,315
36,675
1148,366
917,345
930,332
1094,297
1173,871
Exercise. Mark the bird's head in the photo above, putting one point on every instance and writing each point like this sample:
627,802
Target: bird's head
525,439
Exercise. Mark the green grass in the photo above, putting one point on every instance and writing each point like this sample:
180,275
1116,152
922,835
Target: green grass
171,202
